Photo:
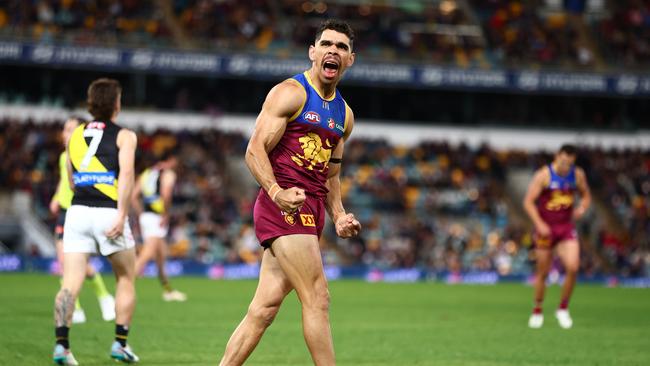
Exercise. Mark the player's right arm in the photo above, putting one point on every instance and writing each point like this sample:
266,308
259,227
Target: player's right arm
535,188
282,102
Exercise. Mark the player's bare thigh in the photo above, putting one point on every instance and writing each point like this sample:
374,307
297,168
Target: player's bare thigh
300,258
273,284
74,271
90,270
123,263
569,253
543,259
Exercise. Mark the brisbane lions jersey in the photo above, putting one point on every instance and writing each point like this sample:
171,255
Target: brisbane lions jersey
301,157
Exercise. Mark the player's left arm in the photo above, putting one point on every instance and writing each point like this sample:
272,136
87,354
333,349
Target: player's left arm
126,142
167,182
346,224
584,192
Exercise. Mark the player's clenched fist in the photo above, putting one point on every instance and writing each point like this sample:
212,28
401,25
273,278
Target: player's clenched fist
289,200
347,226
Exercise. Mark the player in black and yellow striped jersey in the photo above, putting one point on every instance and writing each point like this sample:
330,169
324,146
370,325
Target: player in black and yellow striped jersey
100,161
152,199
60,203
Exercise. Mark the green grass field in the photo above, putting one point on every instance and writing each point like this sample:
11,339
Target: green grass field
373,324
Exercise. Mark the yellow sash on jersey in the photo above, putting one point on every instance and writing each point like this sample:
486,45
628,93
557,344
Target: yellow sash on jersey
77,149
149,185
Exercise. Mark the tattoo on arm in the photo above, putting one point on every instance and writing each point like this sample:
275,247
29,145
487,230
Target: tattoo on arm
63,308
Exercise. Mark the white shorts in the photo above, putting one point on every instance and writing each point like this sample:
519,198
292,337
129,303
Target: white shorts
150,226
85,227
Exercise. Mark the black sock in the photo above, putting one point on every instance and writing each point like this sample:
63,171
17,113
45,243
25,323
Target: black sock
61,334
121,332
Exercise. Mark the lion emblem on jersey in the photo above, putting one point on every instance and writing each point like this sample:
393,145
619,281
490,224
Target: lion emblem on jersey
559,201
314,152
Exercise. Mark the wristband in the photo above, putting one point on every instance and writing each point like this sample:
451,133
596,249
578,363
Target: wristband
275,194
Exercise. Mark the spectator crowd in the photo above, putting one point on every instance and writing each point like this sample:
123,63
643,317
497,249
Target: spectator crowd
467,33
435,206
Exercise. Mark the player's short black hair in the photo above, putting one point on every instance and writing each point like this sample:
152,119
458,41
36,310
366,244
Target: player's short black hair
102,97
169,153
338,25
568,149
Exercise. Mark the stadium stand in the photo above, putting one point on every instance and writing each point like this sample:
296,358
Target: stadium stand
483,34
624,35
85,22
433,205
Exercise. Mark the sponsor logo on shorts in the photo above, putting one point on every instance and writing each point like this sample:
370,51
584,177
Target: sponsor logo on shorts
307,220
289,219
312,117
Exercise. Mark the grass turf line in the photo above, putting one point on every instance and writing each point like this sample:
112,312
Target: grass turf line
372,324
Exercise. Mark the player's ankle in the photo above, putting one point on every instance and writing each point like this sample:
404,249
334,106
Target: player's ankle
62,336
564,305
121,334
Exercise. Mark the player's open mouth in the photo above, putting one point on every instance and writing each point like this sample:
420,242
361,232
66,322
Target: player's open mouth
330,67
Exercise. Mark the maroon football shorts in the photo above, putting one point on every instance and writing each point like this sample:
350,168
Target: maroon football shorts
559,233
271,222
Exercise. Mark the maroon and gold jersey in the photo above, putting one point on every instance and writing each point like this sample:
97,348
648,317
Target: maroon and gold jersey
301,157
555,203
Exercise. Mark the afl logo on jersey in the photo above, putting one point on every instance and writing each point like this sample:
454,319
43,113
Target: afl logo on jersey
97,125
312,117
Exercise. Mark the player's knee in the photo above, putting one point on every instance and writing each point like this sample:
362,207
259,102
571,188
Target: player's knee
542,271
263,314
66,294
320,300
126,283
125,273
572,268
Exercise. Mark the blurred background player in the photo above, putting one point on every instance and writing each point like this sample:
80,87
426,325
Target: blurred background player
295,155
101,156
156,186
58,207
550,204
